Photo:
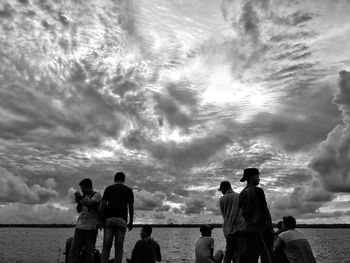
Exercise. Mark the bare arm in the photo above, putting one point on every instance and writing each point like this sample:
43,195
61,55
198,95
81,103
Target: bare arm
131,216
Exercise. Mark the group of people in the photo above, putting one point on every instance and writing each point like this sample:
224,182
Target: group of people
114,213
249,231
247,227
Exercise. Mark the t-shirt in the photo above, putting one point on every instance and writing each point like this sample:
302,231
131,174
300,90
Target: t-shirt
118,196
146,251
296,247
233,219
253,202
202,250
88,217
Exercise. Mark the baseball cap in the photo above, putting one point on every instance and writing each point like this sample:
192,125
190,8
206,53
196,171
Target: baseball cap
248,172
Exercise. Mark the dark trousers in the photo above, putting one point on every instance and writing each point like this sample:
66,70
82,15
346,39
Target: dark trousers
82,238
258,244
235,246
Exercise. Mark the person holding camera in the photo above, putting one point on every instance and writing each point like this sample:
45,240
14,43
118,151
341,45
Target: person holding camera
85,232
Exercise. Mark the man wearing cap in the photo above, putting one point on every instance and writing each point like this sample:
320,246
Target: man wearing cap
234,225
259,229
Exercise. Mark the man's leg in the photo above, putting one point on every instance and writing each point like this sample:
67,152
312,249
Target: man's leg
76,246
90,240
119,244
108,235
230,246
251,254
266,247
218,256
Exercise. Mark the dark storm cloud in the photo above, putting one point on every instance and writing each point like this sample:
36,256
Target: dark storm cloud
303,200
303,123
14,189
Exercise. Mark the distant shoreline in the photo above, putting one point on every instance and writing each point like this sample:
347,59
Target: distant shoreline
165,225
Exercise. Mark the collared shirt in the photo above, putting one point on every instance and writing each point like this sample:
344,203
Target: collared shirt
232,215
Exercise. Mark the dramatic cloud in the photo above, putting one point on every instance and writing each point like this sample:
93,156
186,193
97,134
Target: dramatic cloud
332,163
148,201
179,96
13,189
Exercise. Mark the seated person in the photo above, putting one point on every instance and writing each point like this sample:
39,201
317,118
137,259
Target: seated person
294,243
279,255
205,247
146,250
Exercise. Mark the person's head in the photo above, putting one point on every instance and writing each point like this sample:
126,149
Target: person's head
289,222
279,224
86,185
251,175
205,230
224,187
146,231
119,177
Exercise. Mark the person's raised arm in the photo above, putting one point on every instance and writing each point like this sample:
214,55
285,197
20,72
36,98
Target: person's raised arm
131,215
91,202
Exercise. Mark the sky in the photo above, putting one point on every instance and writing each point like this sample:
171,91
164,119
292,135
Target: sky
179,95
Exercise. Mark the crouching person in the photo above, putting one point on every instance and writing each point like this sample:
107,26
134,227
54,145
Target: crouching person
205,247
85,232
146,250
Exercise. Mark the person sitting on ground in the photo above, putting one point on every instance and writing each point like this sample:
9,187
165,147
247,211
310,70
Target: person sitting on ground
205,247
279,255
294,243
146,250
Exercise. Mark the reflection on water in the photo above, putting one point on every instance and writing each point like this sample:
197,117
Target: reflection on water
46,245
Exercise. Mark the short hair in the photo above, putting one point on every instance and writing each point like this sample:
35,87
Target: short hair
147,229
289,222
225,185
119,177
86,182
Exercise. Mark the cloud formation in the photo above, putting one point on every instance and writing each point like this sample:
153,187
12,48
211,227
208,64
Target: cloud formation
13,189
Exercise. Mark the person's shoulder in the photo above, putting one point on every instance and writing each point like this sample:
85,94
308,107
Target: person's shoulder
97,195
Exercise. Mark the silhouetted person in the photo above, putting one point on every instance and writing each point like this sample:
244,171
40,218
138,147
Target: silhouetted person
146,250
294,243
85,232
259,229
117,200
204,250
234,225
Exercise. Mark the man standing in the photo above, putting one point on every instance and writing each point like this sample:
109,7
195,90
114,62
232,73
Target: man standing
259,229
233,225
85,229
117,200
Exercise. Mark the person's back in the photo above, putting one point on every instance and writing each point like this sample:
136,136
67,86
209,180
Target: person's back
146,250
117,196
296,247
232,215
204,248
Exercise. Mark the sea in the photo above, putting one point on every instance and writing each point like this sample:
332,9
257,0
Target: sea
47,245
